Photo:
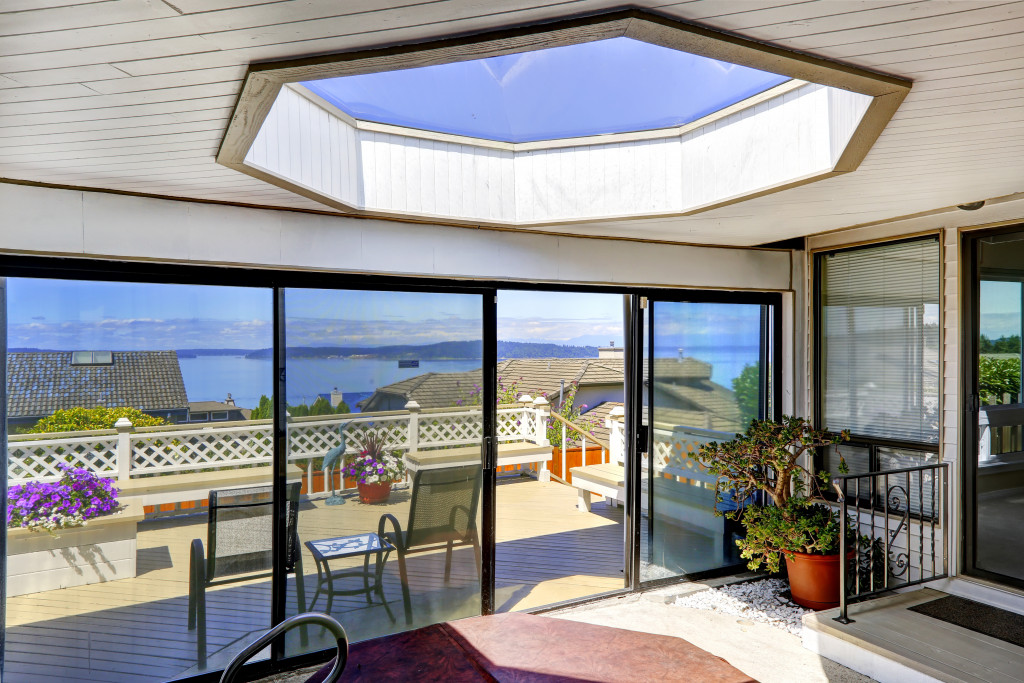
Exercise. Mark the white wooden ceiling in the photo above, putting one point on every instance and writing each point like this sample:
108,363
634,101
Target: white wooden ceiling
135,95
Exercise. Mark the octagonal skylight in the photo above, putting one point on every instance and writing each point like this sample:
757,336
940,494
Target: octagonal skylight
597,119
617,85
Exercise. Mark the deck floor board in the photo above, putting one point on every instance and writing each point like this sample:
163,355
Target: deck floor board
135,629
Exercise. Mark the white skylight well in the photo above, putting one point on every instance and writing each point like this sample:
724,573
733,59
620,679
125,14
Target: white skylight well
622,125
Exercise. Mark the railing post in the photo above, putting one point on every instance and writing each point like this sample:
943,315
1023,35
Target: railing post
528,423
413,440
540,407
843,520
615,439
124,429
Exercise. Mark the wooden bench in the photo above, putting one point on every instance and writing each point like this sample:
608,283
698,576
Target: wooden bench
607,480
509,454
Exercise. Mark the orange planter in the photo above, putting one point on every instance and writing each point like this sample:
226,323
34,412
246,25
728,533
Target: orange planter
316,483
814,579
573,458
372,494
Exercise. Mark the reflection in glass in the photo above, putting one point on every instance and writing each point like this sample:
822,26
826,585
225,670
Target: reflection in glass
567,357
999,485
707,385
110,391
384,442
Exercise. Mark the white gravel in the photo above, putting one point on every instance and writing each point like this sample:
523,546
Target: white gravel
754,600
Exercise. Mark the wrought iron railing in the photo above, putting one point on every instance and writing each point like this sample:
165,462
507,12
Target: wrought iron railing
901,524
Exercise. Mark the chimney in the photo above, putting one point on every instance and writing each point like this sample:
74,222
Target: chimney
230,401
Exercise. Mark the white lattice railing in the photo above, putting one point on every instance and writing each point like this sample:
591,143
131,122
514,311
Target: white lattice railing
673,447
124,453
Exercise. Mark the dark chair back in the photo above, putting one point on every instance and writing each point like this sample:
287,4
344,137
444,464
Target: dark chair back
240,531
444,505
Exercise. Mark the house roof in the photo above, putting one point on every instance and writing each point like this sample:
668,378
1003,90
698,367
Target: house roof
40,382
217,406
533,376
138,100
597,415
430,390
543,376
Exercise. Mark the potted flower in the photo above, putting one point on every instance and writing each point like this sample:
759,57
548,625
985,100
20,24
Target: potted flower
373,468
91,536
78,497
777,499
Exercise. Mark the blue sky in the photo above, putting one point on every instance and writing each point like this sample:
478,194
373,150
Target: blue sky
1000,310
68,315
605,86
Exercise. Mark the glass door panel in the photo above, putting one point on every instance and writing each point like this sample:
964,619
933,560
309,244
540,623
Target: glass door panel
560,419
999,462
707,372
139,542
385,426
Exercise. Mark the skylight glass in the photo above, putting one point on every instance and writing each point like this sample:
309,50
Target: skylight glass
609,86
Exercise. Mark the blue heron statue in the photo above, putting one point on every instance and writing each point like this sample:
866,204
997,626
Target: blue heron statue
331,460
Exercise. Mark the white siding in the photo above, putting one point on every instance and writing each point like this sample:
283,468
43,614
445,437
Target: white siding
845,110
786,138
430,177
774,142
305,144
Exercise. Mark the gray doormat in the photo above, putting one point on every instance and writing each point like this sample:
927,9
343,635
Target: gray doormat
976,616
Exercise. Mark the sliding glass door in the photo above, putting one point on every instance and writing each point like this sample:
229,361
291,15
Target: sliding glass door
707,376
284,449
384,403
995,415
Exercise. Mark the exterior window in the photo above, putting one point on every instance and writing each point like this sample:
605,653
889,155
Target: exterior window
92,358
878,350
223,415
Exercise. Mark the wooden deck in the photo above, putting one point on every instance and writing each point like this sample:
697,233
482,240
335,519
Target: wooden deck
135,629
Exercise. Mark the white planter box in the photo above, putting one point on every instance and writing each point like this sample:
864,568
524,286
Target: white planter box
102,550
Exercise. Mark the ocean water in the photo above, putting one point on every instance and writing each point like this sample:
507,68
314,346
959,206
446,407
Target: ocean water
211,378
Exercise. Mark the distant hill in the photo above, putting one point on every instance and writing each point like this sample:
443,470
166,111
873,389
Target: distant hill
510,349
195,353
450,350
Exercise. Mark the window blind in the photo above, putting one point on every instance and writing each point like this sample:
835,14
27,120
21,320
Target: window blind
880,340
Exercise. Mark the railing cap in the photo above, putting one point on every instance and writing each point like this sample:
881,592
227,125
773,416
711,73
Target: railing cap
412,406
525,398
540,401
123,424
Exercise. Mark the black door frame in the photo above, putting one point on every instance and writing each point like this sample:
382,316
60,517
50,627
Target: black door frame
277,280
970,291
770,406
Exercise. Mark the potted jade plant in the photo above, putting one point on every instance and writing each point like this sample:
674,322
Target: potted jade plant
373,468
762,478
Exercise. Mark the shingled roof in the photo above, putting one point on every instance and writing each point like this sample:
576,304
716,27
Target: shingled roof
685,394
430,390
40,382
533,376
543,376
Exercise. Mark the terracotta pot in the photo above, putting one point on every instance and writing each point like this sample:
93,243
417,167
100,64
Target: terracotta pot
814,579
371,494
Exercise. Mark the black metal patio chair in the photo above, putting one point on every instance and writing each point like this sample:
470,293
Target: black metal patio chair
442,514
239,548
